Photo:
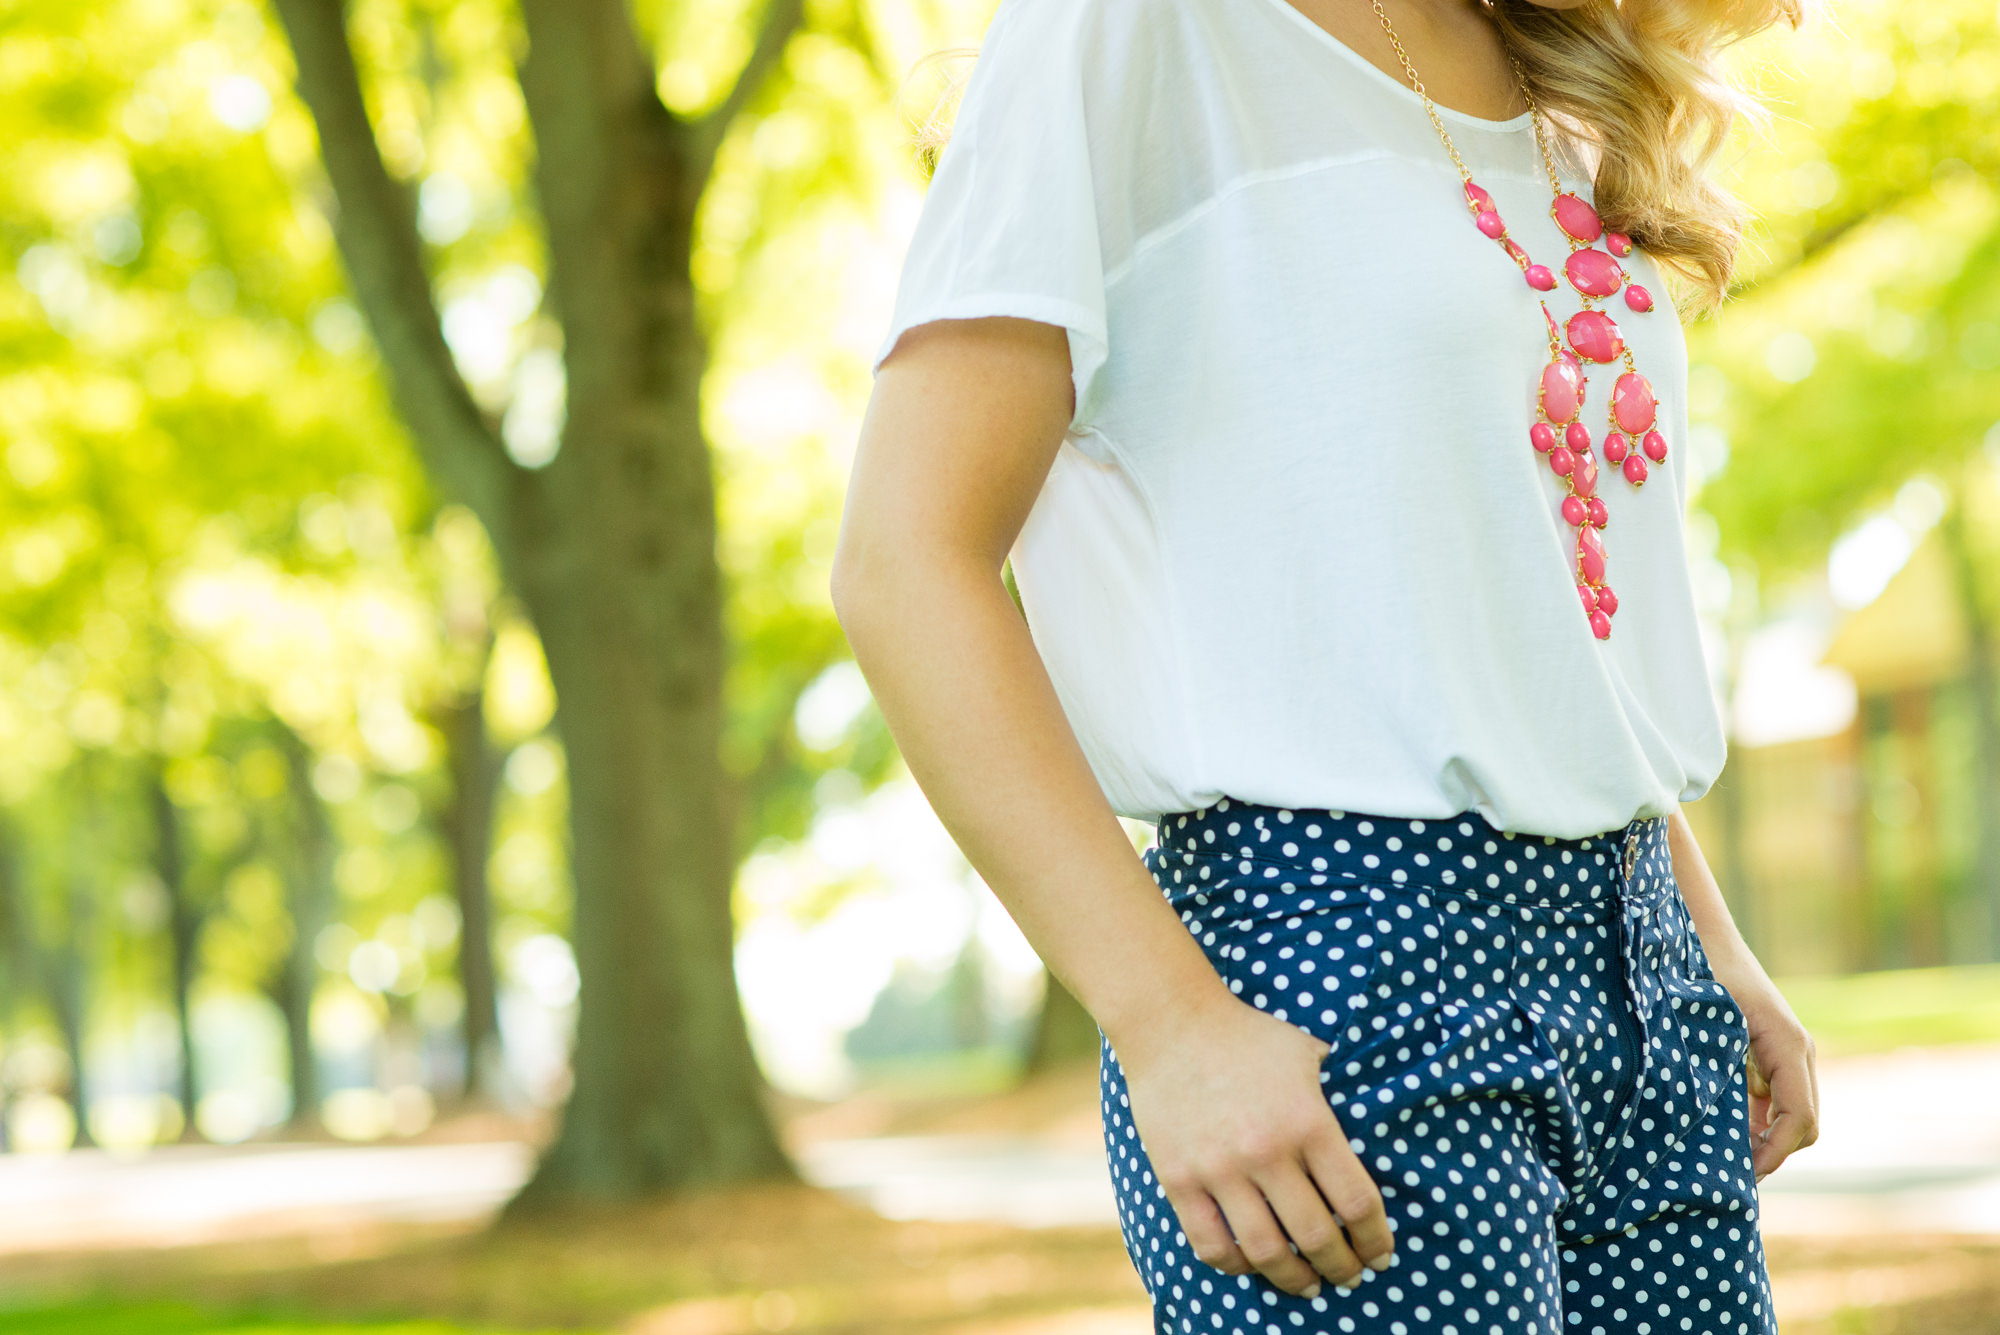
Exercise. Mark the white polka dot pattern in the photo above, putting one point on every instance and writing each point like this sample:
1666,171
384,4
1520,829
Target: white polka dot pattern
1529,1052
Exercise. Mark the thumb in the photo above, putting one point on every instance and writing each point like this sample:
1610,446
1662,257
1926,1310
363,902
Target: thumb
1760,1084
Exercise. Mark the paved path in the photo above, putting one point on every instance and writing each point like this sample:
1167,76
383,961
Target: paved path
1911,1143
179,1195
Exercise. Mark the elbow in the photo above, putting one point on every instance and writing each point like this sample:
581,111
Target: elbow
855,585
880,581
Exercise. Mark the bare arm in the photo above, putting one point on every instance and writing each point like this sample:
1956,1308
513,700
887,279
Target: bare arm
964,425
1784,1088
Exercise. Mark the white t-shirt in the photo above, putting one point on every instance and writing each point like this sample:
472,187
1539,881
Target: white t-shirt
1297,548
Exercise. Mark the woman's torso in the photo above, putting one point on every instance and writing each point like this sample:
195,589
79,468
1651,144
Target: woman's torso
1298,549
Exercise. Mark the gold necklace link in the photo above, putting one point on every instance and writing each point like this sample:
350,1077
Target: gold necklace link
1437,121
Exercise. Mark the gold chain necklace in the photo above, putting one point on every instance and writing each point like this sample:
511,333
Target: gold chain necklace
1632,435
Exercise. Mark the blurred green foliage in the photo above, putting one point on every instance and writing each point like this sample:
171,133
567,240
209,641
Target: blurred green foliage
217,550
1863,343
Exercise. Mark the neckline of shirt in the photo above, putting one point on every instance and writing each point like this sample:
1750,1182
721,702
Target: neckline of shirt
1382,76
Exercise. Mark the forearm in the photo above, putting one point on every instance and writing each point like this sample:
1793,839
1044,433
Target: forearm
1720,940
972,708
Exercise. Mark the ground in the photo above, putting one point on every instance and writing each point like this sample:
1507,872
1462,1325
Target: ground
1891,1228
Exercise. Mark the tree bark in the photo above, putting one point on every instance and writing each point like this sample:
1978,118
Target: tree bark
612,549
309,900
184,921
1983,682
69,998
1064,1031
467,825
18,943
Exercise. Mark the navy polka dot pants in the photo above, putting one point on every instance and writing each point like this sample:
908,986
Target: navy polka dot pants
1529,1053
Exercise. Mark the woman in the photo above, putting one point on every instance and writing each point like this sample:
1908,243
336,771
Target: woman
1276,344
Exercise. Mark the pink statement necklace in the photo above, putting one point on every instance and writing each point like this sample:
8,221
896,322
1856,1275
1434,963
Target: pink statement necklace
1592,335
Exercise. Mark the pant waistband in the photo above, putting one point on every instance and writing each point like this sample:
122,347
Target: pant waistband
1299,850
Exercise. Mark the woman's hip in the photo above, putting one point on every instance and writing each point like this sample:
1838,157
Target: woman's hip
1444,960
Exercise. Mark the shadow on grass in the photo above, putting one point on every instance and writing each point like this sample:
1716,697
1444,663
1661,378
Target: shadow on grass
735,1262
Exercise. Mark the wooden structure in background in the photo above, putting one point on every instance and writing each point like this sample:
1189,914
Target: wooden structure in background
1861,850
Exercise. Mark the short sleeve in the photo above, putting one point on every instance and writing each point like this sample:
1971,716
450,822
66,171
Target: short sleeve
1010,225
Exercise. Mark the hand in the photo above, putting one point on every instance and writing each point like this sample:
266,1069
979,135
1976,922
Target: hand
1228,1103
1784,1086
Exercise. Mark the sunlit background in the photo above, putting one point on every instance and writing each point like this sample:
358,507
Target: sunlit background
275,730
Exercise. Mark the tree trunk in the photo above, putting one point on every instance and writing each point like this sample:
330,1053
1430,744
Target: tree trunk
620,576
612,549
19,959
183,936
667,1093
467,825
309,899
1983,682
1064,1031
69,998
1738,877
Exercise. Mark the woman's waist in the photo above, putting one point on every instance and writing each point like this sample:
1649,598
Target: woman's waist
1244,851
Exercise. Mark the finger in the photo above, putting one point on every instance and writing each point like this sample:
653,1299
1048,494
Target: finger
1344,1182
1759,1090
1794,1122
1207,1232
1263,1242
1309,1223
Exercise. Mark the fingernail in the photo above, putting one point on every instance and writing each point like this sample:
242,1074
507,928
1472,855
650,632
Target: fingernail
1349,1285
1311,1291
1380,1263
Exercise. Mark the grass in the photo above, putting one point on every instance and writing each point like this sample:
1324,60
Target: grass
153,1318
736,1262
793,1259
627,1275
1879,1012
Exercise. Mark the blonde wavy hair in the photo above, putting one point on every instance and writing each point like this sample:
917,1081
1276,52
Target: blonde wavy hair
1637,88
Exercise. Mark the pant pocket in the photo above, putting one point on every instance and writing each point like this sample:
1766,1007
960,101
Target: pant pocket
1698,1036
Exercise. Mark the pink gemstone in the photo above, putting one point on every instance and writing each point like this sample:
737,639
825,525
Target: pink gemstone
1593,273
1632,402
1590,555
1518,255
1589,596
1583,481
1490,224
1540,279
1655,446
1561,461
1638,298
1562,388
1542,436
1578,218
1574,512
1635,470
1599,516
1577,436
1595,336
1618,244
1614,448
1607,601
1477,197
1600,625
